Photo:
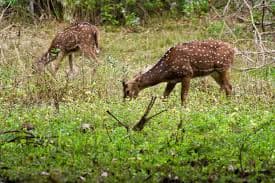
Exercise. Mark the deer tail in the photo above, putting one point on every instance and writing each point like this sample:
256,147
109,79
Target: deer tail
96,38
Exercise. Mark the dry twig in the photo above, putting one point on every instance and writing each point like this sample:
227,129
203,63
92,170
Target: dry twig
253,68
144,119
226,7
140,125
28,135
4,10
262,51
258,38
119,122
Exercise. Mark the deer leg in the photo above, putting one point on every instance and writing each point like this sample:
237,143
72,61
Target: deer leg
71,71
56,66
222,79
169,87
216,76
226,84
88,51
71,63
185,89
39,65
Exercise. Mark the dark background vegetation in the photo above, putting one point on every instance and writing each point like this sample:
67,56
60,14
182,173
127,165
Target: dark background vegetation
128,12
125,12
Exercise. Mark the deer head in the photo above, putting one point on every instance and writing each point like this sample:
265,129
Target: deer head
39,65
130,89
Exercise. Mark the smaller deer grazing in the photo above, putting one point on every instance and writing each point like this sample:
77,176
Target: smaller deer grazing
183,62
81,36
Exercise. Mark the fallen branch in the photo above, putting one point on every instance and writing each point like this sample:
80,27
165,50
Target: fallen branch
22,137
246,53
15,131
262,51
119,122
267,33
247,57
28,135
156,114
144,119
258,38
253,68
6,28
255,52
4,10
226,7
140,125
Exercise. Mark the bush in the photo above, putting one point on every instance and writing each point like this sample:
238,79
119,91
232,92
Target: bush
127,12
194,7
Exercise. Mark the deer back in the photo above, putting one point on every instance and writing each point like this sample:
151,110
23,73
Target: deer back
198,58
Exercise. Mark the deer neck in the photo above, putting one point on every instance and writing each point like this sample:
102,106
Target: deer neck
47,57
152,77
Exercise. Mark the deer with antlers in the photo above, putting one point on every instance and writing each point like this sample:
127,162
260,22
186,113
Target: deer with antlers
183,62
81,37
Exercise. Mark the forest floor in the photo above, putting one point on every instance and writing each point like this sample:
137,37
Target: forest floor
212,139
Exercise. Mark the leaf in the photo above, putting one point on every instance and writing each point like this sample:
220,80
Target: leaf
55,51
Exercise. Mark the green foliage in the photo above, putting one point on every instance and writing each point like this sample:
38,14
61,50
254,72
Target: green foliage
215,28
240,30
14,3
257,16
128,12
153,5
55,51
132,20
273,8
197,7
6,2
108,11
267,73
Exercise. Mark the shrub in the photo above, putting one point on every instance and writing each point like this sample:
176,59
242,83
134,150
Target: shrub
127,12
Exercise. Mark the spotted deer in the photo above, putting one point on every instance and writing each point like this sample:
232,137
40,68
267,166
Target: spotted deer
81,37
183,62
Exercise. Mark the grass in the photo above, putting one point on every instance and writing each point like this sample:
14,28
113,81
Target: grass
213,139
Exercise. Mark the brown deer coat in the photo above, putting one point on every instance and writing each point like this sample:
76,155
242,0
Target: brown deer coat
183,62
81,36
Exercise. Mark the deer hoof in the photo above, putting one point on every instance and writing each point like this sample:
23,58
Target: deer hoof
72,73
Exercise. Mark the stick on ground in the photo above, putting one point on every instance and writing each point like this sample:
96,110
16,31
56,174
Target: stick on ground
119,122
144,119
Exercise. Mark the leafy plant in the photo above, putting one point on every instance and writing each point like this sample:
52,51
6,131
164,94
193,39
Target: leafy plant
129,12
197,7
215,28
